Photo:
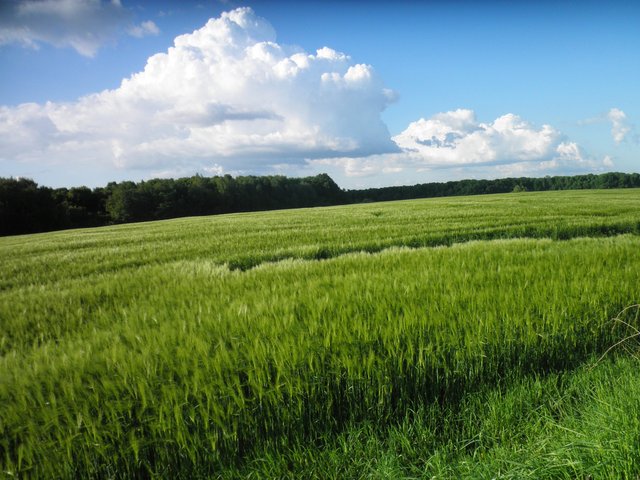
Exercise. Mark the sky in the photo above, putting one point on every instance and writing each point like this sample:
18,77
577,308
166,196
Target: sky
372,93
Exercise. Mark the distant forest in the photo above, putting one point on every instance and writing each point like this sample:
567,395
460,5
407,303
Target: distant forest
26,207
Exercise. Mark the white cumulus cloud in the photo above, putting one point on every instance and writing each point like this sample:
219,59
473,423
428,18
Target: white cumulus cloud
226,95
457,138
619,125
456,141
84,25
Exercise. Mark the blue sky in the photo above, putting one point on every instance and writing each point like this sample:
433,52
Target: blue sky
374,93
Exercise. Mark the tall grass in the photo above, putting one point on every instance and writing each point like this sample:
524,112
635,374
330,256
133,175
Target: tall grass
185,368
572,424
245,240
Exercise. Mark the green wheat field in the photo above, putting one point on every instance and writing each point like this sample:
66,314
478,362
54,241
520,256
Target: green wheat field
470,337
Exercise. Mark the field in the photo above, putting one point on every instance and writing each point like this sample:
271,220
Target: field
454,337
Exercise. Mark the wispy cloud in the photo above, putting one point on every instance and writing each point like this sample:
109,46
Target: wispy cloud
621,128
84,25
144,29
619,124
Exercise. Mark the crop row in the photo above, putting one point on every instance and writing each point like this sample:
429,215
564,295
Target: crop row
245,240
187,366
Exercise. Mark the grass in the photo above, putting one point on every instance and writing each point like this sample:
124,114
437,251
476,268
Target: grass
581,423
222,347
245,240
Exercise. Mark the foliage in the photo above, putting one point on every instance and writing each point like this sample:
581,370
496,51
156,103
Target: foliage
501,185
27,208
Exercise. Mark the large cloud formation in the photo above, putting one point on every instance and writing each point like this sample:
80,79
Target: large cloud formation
84,25
508,145
229,98
457,138
225,96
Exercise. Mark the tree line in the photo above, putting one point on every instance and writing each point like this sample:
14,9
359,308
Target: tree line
26,207
501,185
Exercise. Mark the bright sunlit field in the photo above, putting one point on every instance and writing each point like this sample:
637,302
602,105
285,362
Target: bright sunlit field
454,337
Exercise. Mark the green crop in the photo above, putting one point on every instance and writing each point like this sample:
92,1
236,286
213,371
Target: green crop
184,348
